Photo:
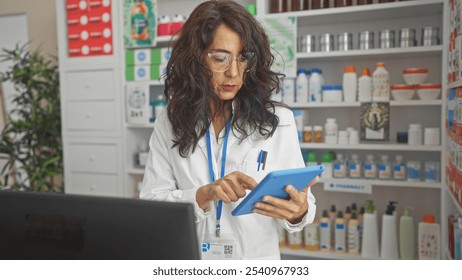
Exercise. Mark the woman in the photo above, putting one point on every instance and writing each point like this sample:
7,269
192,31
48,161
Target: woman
220,116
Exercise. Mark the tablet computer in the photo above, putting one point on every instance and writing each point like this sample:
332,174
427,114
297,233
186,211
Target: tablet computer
274,185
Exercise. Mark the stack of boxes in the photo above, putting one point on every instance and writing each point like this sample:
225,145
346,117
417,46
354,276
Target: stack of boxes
146,64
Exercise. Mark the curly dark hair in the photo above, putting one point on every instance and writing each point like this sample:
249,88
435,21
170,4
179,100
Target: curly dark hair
187,80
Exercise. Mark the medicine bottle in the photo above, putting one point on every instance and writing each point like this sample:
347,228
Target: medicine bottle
432,136
340,168
318,135
370,167
330,131
380,83
414,134
354,167
365,85
315,85
399,168
384,167
307,134
350,83
301,86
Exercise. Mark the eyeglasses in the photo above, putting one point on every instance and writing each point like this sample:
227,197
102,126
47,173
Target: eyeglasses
221,61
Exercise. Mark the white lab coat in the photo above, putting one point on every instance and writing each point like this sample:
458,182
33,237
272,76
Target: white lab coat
169,177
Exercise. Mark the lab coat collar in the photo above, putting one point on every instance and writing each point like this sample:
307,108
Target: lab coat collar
233,135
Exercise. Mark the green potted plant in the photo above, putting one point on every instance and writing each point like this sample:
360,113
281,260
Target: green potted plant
31,139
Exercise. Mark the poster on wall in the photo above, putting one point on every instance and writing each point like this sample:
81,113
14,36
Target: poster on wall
140,23
282,37
375,120
89,27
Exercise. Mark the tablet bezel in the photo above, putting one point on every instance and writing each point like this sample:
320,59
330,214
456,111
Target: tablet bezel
274,185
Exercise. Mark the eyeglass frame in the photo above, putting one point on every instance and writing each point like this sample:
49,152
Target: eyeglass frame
230,59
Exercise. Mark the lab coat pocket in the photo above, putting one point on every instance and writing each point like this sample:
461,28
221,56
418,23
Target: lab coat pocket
255,167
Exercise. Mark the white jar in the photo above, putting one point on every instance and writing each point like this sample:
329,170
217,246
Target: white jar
414,134
343,137
332,93
330,131
353,137
432,136
350,83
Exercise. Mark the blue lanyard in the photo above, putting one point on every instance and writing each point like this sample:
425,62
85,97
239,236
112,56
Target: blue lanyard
222,174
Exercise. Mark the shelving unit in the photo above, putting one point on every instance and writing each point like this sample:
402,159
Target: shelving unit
411,14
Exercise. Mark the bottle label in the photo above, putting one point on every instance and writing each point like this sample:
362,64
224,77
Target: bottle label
355,170
339,170
384,171
399,172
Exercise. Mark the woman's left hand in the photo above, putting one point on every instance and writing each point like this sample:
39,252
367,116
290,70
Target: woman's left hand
293,210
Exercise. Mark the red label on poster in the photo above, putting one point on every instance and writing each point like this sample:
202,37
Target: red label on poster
89,27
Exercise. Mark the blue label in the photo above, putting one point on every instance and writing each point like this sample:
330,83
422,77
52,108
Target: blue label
324,225
339,226
141,72
141,56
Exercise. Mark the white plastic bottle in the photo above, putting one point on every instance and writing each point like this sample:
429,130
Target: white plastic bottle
353,243
365,85
340,233
340,167
315,85
406,235
326,160
350,83
354,167
301,87
380,83
399,168
429,240
389,240
288,90
370,167
370,236
331,131
324,232
384,168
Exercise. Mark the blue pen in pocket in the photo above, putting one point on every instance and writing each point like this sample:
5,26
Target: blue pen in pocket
262,160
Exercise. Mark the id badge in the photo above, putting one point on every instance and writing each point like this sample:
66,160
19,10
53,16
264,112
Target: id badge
223,248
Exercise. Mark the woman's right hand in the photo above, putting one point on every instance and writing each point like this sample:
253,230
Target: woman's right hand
228,189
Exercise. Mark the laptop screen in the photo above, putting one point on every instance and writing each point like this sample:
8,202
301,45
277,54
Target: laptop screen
58,226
